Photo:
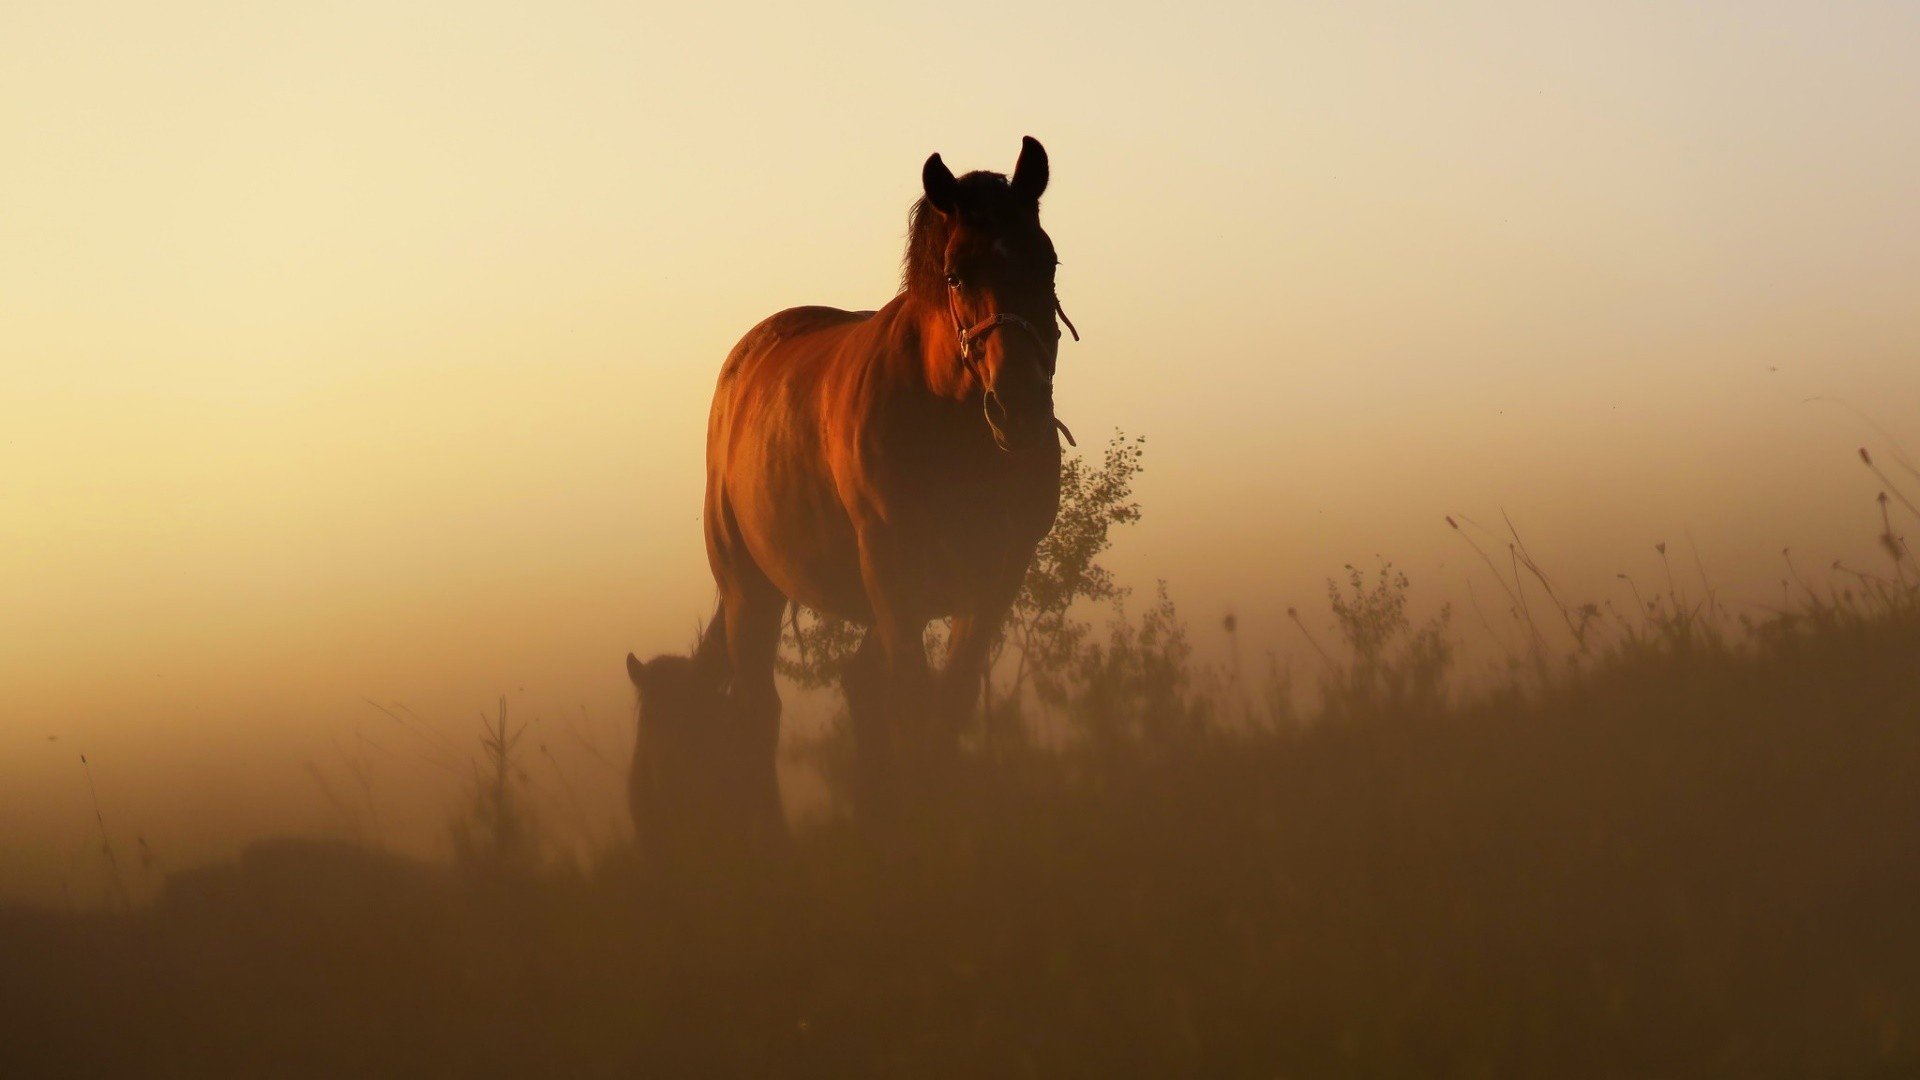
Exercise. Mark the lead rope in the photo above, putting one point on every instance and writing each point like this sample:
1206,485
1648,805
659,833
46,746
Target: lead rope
1071,329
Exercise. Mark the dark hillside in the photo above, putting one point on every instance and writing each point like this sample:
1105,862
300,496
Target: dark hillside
1685,858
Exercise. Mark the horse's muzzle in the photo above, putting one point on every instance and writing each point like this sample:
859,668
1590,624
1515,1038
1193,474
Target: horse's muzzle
1014,430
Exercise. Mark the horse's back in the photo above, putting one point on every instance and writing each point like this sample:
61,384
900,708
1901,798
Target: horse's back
769,393
772,508
783,327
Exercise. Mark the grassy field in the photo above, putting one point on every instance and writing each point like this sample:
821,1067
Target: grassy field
1693,850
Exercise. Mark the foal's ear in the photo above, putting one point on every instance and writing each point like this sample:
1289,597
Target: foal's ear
943,191
1030,172
636,670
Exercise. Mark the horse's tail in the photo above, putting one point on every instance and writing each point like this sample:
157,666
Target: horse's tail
710,647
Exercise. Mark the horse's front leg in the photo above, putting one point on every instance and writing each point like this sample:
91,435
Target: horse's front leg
893,728
893,578
876,757
971,639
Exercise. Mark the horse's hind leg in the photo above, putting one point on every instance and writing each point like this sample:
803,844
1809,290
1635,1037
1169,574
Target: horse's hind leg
753,702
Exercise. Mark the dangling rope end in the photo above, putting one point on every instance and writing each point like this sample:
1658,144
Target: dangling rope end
1062,312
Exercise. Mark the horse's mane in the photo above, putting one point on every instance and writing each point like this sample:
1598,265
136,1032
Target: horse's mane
923,273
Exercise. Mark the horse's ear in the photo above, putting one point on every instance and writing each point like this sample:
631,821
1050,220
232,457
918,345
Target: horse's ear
636,670
1030,172
943,191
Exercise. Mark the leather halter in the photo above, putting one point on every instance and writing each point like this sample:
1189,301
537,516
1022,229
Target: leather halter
971,335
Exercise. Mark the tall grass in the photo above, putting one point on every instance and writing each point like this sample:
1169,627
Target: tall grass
1669,840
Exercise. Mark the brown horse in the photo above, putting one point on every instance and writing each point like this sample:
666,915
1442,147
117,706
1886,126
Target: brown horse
895,466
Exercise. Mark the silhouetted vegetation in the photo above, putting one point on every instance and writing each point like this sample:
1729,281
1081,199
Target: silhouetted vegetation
1686,844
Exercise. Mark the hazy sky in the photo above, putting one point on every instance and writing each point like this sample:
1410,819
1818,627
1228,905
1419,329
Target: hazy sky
363,350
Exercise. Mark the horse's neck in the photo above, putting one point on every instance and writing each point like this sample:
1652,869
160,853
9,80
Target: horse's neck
920,334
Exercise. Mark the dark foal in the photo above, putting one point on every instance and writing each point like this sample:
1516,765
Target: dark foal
696,788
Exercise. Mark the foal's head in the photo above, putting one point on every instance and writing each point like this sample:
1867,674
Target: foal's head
696,784
977,252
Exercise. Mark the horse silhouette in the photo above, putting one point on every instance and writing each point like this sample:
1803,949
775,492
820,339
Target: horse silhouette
891,467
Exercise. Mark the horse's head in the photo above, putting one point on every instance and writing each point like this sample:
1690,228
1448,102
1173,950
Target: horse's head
696,783
985,258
